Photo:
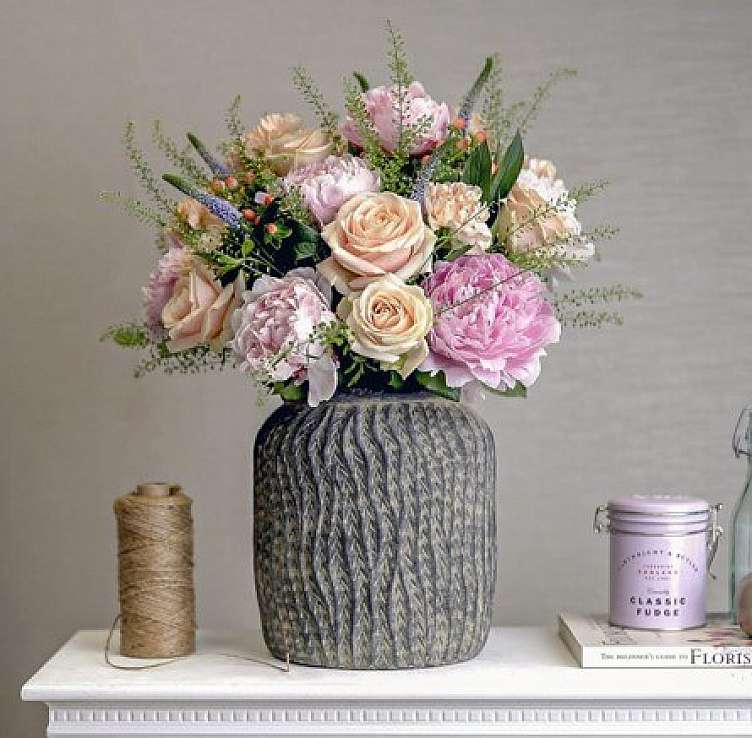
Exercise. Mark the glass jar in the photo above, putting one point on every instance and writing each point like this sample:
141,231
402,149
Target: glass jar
740,552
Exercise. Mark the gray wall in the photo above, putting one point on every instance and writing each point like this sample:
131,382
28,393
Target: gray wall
662,107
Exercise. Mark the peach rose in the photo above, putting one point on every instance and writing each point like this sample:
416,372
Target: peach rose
199,310
198,216
287,144
375,234
389,321
459,207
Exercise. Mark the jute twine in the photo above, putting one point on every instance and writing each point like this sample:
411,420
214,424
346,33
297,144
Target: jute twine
155,572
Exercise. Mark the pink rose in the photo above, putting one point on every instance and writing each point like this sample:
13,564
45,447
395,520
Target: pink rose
491,322
328,184
174,263
199,310
382,104
275,332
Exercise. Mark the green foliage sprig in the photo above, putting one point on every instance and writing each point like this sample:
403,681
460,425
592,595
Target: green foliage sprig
472,95
540,94
177,156
400,77
232,120
143,170
128,335
543,260
138,209
493,98
595,296
309,90
590,319
391,167
502,121
572,306
191,361
583,192
356,108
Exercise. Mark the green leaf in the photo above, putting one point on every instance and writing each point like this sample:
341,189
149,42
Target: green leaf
458,251
477,169
468,102
304,250
247,246
283,231
437,383
128,335
290,392
362,81
303,232
395,381
519,390
180,183
509,169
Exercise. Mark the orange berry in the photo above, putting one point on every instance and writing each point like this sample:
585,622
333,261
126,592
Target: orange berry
480,137
249,215
218,186
231,182
459,122
271,228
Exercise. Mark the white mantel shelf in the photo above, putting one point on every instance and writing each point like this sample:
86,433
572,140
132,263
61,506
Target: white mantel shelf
524,683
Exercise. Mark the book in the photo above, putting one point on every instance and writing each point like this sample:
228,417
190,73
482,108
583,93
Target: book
596,644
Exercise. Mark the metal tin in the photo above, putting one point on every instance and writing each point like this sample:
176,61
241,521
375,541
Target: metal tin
661,550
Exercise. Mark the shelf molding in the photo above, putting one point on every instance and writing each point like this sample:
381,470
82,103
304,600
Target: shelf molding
407,719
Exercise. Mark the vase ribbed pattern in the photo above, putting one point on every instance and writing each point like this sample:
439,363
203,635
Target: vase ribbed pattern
375,531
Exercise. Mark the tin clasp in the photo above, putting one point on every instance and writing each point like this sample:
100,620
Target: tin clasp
716,531
600,523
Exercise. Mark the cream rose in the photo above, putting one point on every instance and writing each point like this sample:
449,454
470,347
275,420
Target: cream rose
287,144
389,321
199,310
375,234
459,207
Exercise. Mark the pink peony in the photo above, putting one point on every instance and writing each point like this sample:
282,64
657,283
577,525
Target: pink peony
174,263
274,332
328,184
382,106
497,337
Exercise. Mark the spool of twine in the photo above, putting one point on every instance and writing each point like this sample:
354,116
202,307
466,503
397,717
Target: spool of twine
155,572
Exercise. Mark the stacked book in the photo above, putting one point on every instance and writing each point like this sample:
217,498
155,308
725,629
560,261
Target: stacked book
597,644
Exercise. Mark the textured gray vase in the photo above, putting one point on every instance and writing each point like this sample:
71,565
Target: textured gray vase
375,531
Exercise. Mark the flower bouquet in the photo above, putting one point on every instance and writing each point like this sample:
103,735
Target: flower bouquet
411,245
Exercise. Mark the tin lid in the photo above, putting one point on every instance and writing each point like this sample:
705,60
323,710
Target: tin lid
658,505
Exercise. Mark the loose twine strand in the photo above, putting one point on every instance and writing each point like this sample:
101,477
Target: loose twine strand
140,667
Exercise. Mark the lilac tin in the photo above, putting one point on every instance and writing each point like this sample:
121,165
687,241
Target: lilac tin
661,549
